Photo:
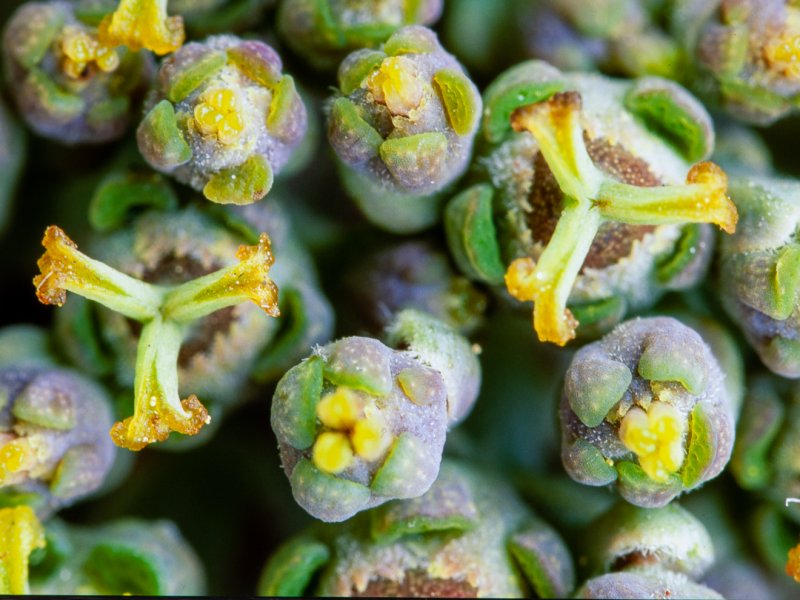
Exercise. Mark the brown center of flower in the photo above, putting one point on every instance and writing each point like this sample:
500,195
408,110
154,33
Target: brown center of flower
614,240
174,270
417,584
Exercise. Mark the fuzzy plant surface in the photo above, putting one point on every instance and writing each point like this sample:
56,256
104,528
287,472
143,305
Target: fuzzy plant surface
69,84
645,408
587,198
759,282
647,553
402,124
324,32
223,118
469,535
124,557
165,313
359,423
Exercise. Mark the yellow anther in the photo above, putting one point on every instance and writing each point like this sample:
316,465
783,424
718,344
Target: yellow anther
217,115
396,85
656,437
20,534
15,456
82,50
141,24
332,452
370,439
340,409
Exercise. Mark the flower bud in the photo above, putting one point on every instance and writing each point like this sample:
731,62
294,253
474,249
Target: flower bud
69,85
646,407
325,32
359,423
467,536
402,128
223,118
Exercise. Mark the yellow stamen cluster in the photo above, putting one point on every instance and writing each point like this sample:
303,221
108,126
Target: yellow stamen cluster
141,24
15,456
357,430
218,115
81,50
782,51
20,534
656,437
395,85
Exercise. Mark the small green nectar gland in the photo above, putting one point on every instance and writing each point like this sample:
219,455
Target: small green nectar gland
20,534
591,198
165,313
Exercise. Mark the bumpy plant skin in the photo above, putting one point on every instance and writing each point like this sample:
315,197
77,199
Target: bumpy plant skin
760,270
402,127
223,118
745,54
325,32
12,155
590,201
468,536
68,85
54,445
648,553
129,556
416,275
359,423
764,459
646,408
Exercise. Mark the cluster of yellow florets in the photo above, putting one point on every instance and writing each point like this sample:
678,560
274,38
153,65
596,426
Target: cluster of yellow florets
355,429
218,114
81,51
396,86
656,437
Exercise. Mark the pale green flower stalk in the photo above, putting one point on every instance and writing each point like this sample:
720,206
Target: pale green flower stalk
468,536
165,313
647,553
645,408
402,126
359,423
324,32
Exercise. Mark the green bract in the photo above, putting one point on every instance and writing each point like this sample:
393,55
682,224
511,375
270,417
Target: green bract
67,85
223,118
760,270
129,556
467,536
646,408
402,127
647,553
578,196
359,423
325,31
